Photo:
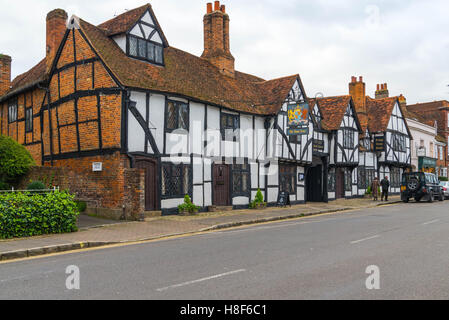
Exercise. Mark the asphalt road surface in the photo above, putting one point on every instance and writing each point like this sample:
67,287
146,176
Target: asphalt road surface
322,257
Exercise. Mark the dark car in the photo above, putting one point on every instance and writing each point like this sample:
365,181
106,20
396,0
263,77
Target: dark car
421,186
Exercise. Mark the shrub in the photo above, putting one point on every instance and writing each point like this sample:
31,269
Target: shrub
15,160
4,186
81,205
36,185
443,179
258,200
26,214
188,205
369,190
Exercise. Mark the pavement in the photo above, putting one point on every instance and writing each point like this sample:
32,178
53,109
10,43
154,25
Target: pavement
96,232
318,257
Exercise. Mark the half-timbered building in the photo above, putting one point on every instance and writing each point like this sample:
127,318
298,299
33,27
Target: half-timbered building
386,138
341,120
119,95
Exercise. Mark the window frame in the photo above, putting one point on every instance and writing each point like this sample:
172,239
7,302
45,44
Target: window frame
235,127
129,36
348,138
331,180
177,105
241,169
175,194
13,104
29,120
290,177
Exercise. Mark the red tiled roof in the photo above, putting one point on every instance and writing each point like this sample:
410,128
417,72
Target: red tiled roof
191,76
183,73
428,106
379,113
332,110
33,76
126,21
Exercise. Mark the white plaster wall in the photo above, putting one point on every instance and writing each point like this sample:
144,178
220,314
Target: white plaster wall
198,196
157,119
121,42
240,201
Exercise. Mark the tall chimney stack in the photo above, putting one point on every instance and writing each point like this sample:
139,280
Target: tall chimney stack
5,74
382,91
216,39
357,89
56,28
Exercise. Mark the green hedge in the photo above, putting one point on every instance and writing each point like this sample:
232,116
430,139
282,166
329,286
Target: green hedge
26,214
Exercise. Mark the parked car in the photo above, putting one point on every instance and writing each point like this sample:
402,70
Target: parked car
421,186
445,186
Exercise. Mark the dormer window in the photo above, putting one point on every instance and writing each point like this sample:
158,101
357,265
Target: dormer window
144,41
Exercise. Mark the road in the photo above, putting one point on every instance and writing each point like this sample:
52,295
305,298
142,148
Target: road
322,257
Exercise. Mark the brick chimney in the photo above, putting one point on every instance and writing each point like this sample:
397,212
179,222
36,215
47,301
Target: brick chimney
56,28
357,89
5,74
402,101
216,39
382,91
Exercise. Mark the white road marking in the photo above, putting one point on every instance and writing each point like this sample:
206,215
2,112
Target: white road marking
431,222
366,239
201,280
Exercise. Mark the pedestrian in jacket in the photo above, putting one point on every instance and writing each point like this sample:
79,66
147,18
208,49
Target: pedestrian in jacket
385,184
375,188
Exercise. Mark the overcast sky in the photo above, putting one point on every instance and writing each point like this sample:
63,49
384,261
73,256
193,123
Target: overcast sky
404,43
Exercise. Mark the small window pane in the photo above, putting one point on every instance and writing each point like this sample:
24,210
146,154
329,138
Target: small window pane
150,53
142,48
133,46
171,116
29,120
158,54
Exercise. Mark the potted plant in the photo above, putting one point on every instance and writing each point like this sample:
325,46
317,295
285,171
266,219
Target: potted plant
258,202
188,208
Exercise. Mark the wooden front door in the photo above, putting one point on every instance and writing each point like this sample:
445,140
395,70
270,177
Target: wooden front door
221,181
151,186
340,183
314,184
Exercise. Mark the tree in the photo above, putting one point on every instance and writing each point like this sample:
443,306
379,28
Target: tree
15,160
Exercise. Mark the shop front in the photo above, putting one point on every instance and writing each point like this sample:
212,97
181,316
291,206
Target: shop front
426,164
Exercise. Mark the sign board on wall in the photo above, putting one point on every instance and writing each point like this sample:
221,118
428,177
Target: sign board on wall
97,166
379,144
318,145
298,119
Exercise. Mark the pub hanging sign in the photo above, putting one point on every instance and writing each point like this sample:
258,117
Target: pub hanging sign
379,144
298,119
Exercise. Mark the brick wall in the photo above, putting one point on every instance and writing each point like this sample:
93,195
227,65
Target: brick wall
115,192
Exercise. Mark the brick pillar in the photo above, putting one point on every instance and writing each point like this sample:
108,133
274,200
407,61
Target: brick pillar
56,28
5,74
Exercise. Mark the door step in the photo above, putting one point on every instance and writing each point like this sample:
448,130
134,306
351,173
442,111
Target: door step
152,214
220,208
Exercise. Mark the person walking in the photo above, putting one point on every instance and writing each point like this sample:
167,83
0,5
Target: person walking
385,184
375,188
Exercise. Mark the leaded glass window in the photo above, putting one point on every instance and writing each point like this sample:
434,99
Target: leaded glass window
230,127
176,180
177,117
240,179
12,111
287,179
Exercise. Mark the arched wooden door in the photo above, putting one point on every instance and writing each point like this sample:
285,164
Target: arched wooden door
151,186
